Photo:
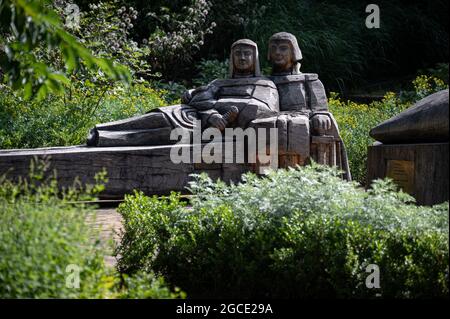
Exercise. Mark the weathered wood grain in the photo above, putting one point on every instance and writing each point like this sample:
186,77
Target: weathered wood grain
147,168
424,122
431,168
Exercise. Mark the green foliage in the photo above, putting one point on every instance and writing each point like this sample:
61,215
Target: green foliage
147,286
355,120
177,34
106,30
29,25
425,85
170,36
171,91
66,120
333,36
296,233
210,70
43,234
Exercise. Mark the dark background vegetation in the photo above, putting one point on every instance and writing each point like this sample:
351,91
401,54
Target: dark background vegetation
332,35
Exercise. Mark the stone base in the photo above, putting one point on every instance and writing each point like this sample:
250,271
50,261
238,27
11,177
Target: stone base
147,168
419,169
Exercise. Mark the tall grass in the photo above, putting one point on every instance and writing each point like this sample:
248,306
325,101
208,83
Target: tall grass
334,38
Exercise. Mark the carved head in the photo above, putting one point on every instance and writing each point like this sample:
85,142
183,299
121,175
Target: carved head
284,53
244,60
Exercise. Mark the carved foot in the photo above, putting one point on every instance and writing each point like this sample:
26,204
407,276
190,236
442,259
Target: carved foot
92,139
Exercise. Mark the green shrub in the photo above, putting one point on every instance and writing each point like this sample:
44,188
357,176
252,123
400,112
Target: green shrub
170,91
440,71
44,239
37,244
355,120
37,54
296,233
147,286
66,120
210,70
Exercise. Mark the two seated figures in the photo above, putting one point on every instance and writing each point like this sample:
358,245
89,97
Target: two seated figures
294,103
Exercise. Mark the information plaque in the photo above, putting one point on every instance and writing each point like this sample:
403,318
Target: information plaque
402,172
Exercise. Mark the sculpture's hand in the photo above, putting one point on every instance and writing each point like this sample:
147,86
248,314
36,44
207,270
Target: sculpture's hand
217,121
187,96
321,123
231,115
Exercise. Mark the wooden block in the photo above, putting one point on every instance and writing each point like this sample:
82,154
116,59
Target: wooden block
420,169
298,135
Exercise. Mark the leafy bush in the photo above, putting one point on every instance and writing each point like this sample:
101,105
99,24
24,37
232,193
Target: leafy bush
178,31
355,120
170,91
66,120
106,29
42,236
440,71
425,85
147,286
28,27
210,70
296,233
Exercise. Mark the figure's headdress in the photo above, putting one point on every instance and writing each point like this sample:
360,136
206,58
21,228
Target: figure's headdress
257,71
294,45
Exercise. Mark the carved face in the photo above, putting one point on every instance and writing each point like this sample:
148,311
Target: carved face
281,55
243,59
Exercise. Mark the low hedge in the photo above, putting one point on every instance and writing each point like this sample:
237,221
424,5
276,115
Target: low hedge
45,240
296,233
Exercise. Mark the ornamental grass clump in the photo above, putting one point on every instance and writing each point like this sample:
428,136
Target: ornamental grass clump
296,233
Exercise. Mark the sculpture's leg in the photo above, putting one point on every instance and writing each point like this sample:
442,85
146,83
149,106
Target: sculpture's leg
146,121
149,129
264,146
294,139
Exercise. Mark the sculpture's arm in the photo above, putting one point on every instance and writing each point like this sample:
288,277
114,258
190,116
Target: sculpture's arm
321,119
213,118
316,95
204,98
187,96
